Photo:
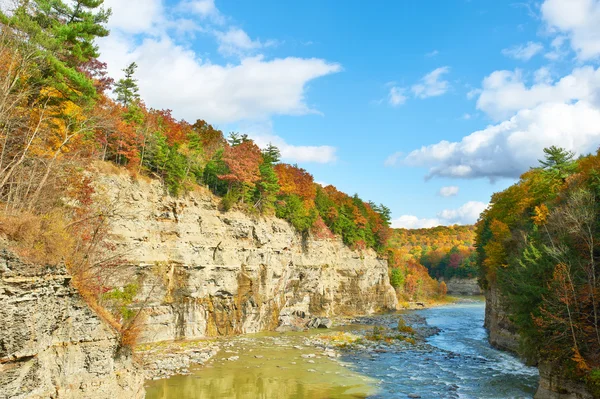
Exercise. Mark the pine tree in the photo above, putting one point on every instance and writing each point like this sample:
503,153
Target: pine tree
126,89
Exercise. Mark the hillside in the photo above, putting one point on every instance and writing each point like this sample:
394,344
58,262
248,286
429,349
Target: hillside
537,249
446,251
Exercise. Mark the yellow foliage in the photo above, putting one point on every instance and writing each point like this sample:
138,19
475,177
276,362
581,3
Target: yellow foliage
541,215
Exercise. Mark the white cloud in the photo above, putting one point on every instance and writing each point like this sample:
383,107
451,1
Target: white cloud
413,222
202,8
577,19
432,53
467,116
523,52
511,147
393,159
236,42
449,191
542,76
396,96
466,214
432,84
505,92
262,133
558,51
172,76
134,16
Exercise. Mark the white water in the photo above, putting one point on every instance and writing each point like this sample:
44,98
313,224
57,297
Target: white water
458,364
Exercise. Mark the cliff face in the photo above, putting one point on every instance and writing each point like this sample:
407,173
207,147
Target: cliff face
463,286
502,333
553,386
52,345
201,272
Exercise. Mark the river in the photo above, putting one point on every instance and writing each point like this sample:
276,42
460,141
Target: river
456,363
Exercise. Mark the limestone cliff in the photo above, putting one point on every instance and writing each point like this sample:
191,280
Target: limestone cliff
503,335
463,286
202,272
52,345
502,332
554,386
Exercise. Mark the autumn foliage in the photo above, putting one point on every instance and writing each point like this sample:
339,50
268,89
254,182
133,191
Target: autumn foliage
538,245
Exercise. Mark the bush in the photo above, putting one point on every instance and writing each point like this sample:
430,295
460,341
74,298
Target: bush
397,278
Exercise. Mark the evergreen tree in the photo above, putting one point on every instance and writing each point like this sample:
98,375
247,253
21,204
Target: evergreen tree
271,154
126,89
63,35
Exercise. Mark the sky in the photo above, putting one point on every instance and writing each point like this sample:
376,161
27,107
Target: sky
426,106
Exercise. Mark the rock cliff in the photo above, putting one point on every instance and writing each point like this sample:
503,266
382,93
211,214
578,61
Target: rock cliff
554,386
502,333
52,345
202,272
463,286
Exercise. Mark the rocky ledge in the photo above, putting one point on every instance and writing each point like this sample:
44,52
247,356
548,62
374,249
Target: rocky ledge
52,345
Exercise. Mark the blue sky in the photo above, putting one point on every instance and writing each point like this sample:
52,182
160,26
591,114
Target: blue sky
426,106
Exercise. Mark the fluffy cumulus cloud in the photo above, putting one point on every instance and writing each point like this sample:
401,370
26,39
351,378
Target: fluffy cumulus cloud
509,148
263,134
579,20
297,153
466,214
432,84
448,191
523,52
172,75
505,92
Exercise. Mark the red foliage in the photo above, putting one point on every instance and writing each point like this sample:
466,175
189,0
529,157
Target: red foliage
243,161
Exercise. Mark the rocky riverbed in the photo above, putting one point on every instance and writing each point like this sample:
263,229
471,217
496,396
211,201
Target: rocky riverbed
432,353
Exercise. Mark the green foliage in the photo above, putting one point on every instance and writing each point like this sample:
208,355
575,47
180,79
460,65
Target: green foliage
537,244
212,170
121,298
267,188
593,382
126,89
292,209
397,278
524,284
271,154
63,35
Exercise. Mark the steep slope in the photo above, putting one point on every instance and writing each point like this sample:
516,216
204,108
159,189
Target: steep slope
201,272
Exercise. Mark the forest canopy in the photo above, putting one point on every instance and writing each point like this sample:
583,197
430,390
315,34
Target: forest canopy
538,245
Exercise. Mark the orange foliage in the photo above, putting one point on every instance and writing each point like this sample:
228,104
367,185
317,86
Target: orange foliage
243,161
295,180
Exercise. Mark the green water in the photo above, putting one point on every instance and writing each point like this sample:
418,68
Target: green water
281,372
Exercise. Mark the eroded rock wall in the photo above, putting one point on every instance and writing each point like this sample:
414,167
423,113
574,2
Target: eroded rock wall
554,386
203,273
463,286
502,332
52,345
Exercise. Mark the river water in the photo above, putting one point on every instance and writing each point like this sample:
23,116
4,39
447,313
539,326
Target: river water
456,363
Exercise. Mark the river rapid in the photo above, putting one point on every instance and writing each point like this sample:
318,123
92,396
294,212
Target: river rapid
457,363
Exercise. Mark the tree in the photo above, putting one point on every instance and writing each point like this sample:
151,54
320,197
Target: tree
63,34
271,154
126,88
